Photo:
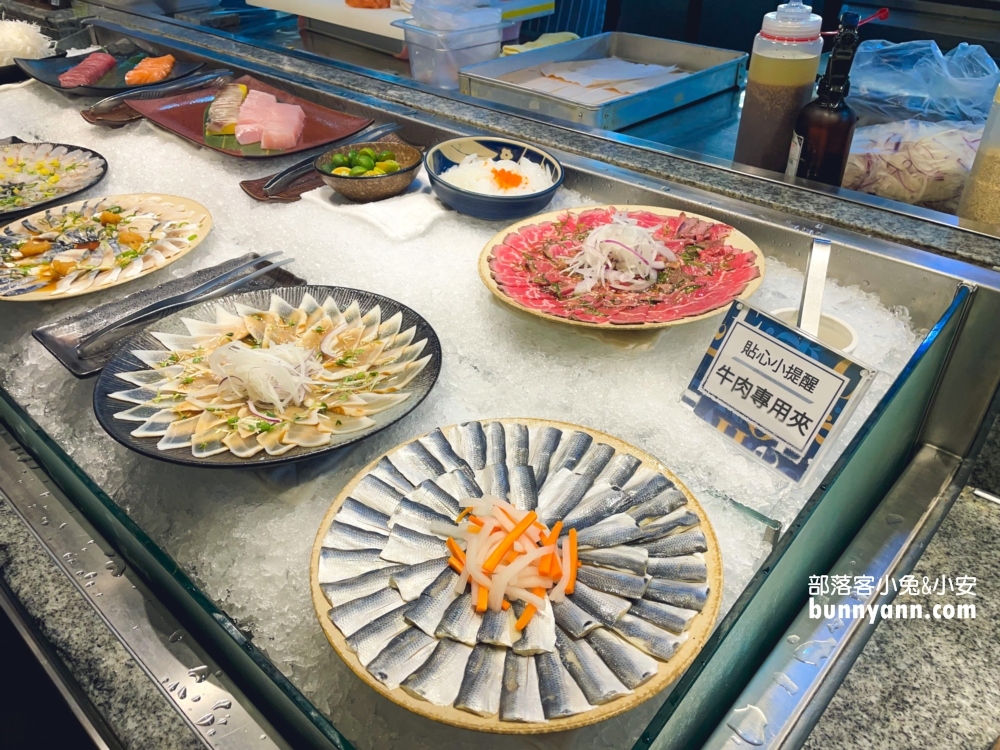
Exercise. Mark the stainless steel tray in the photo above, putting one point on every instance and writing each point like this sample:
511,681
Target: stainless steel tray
712,70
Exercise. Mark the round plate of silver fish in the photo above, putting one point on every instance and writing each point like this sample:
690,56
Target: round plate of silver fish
35,175
92,245
268,376
645,592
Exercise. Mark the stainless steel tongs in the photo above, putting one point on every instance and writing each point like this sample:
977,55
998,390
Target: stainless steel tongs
211,289
205,80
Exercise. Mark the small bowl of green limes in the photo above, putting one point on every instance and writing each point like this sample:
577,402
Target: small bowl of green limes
365,172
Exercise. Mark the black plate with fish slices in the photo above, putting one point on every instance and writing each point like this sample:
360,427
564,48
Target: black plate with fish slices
77,169
646,596
48,70
159,378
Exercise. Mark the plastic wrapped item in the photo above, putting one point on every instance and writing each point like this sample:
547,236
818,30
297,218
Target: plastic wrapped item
920,163
456,15
916,81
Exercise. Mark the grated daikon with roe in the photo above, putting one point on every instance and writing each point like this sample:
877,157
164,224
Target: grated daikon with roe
501,177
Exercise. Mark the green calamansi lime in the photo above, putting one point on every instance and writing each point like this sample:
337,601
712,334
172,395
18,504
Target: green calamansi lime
369,152
388,166
364,160
358,171
340,160
386,156
352,158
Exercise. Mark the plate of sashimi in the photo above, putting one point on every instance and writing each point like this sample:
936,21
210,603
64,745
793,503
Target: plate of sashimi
248,118
621,267
268,376
92,245
103,74
516,576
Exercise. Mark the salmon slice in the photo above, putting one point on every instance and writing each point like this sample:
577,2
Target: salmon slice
150,70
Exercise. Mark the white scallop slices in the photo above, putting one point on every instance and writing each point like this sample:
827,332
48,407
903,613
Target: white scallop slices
271,380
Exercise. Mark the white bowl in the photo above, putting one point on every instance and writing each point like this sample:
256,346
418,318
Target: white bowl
833,332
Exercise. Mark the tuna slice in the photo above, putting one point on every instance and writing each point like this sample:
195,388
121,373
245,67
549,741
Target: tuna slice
88,72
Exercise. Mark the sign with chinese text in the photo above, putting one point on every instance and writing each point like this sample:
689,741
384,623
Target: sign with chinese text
775,390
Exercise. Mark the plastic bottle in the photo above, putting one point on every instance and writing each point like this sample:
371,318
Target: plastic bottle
780,83
981,199
824,129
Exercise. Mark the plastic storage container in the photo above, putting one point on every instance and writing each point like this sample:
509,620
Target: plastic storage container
437,56
779,84
981,199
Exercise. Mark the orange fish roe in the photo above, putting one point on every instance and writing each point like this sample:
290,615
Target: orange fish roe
505,179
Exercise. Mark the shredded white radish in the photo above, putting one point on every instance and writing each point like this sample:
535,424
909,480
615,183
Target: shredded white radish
558,594
502,578
526,596
23,40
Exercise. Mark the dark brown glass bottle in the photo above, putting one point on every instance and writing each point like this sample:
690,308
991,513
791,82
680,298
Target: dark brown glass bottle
824,128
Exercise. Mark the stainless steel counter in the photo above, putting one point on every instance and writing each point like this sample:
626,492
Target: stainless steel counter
934,407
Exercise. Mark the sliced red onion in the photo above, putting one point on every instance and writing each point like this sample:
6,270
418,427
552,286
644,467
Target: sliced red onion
253,410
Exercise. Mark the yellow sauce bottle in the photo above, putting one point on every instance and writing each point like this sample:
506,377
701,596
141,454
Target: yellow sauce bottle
780,83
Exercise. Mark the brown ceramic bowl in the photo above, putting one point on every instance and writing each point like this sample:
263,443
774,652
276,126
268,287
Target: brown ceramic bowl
376,188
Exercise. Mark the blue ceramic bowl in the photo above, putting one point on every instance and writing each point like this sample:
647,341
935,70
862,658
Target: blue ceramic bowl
492,207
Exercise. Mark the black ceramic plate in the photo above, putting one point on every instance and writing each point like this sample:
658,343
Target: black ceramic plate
98,174
106,407
49,69
11,74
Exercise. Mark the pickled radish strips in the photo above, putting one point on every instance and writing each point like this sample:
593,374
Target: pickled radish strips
622,267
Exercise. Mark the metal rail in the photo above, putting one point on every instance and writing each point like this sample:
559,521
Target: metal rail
188,677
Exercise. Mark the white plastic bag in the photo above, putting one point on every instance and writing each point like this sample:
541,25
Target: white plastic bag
454,15
914,80
920,163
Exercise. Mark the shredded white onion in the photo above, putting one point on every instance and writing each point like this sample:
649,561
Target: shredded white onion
622,255
280,375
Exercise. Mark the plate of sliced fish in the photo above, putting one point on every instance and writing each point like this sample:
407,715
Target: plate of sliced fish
516,576
268,376
92,245
34,175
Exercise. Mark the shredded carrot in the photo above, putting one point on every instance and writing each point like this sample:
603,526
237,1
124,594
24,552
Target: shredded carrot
505,605
475,521
529,611
507,542
456,565
510,557
455,550
463,514
555,571
574,563
482,599
545,564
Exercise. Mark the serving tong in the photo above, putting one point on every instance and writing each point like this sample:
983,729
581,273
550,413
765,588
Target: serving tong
205,80
214,288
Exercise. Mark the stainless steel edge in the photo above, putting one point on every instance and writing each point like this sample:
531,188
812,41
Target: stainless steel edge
102,735
214,709
782,703
851,196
